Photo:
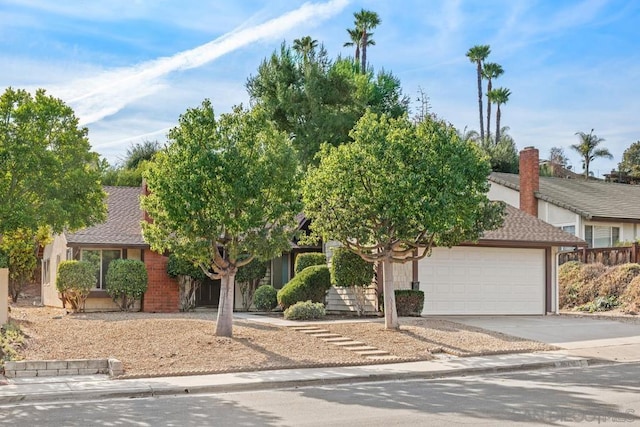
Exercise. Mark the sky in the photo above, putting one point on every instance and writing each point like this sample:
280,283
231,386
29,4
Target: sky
129,68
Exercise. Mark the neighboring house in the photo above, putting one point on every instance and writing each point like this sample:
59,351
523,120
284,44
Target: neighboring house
602,213
120,236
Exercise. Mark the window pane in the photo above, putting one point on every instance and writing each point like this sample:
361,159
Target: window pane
92,256
108,256
588,235
615,235
571,229
601,237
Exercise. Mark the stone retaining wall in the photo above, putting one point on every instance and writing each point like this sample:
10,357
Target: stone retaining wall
53,368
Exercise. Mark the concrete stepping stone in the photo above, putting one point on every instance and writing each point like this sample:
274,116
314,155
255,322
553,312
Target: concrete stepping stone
375,352
305,328
327,336
360,348
348,343
382,357
337,340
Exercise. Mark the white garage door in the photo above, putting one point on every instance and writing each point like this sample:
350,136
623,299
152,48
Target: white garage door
473,280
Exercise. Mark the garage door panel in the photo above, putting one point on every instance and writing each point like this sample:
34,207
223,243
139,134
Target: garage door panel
473,280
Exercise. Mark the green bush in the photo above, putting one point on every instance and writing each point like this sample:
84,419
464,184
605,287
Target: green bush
349,269
4,259
312,284
11,341
265,298
126,282
409,302
308,259
306,310
248,278
600,304
74,281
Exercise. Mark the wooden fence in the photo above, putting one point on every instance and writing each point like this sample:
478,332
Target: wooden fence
606,256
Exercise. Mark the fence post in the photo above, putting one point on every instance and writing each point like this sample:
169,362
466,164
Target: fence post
584,255
635,252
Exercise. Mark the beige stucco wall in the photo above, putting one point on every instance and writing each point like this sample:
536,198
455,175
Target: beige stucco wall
507,195
55,252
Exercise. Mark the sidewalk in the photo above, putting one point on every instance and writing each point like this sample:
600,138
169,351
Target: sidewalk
47,389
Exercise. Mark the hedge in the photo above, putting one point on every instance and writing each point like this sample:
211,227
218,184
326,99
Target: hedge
308,259
312,284
409,302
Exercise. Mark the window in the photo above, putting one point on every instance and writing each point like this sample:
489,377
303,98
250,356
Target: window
45,271
600,236
101,258
571,229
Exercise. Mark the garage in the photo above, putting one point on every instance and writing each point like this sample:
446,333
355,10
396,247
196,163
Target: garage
483,280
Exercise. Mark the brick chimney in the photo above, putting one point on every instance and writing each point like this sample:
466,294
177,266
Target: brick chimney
529,180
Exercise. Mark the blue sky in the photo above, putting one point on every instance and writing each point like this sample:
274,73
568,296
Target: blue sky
129,68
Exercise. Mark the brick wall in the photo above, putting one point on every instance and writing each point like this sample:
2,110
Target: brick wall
162,294
529,180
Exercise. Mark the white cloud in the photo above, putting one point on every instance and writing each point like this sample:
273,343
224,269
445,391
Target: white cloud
96,98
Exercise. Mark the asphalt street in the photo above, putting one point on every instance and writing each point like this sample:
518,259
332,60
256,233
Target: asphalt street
601,395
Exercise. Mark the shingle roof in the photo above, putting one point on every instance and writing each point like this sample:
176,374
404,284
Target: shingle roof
523,229
590,199
122,227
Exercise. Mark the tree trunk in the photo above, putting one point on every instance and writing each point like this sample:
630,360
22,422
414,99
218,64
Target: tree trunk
480,100
489,87
364,52
498,114
224,323
390,312
358,56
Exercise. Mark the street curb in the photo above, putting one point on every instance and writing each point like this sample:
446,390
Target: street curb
137,391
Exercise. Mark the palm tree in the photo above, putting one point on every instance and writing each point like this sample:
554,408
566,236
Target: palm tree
305,47
366,20
491,71
477,54
589,151
497,96
355,38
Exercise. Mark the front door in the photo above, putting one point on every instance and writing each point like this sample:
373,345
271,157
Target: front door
208,294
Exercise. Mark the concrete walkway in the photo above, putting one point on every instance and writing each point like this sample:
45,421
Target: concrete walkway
584,341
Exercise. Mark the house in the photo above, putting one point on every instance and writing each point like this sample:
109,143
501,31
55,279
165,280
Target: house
602,213
120,236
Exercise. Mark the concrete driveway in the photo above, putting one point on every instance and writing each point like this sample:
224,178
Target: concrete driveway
580,336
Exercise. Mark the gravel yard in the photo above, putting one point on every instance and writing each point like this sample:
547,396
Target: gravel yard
183,343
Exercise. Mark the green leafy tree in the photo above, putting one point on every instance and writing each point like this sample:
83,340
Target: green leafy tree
589,151
189,276
384,196
503,155
248,279
322,100
491,71
139,152
631,160
477,55
365,20
223,192
21,247
49,175
305,47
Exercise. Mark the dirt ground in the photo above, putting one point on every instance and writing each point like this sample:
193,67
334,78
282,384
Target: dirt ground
184,343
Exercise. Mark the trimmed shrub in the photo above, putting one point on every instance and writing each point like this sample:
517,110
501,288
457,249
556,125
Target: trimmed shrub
189,276
126,282
409,302
265,298
630,298
308,259
306,310
348,269
615,280
600,304
312,284
74,281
